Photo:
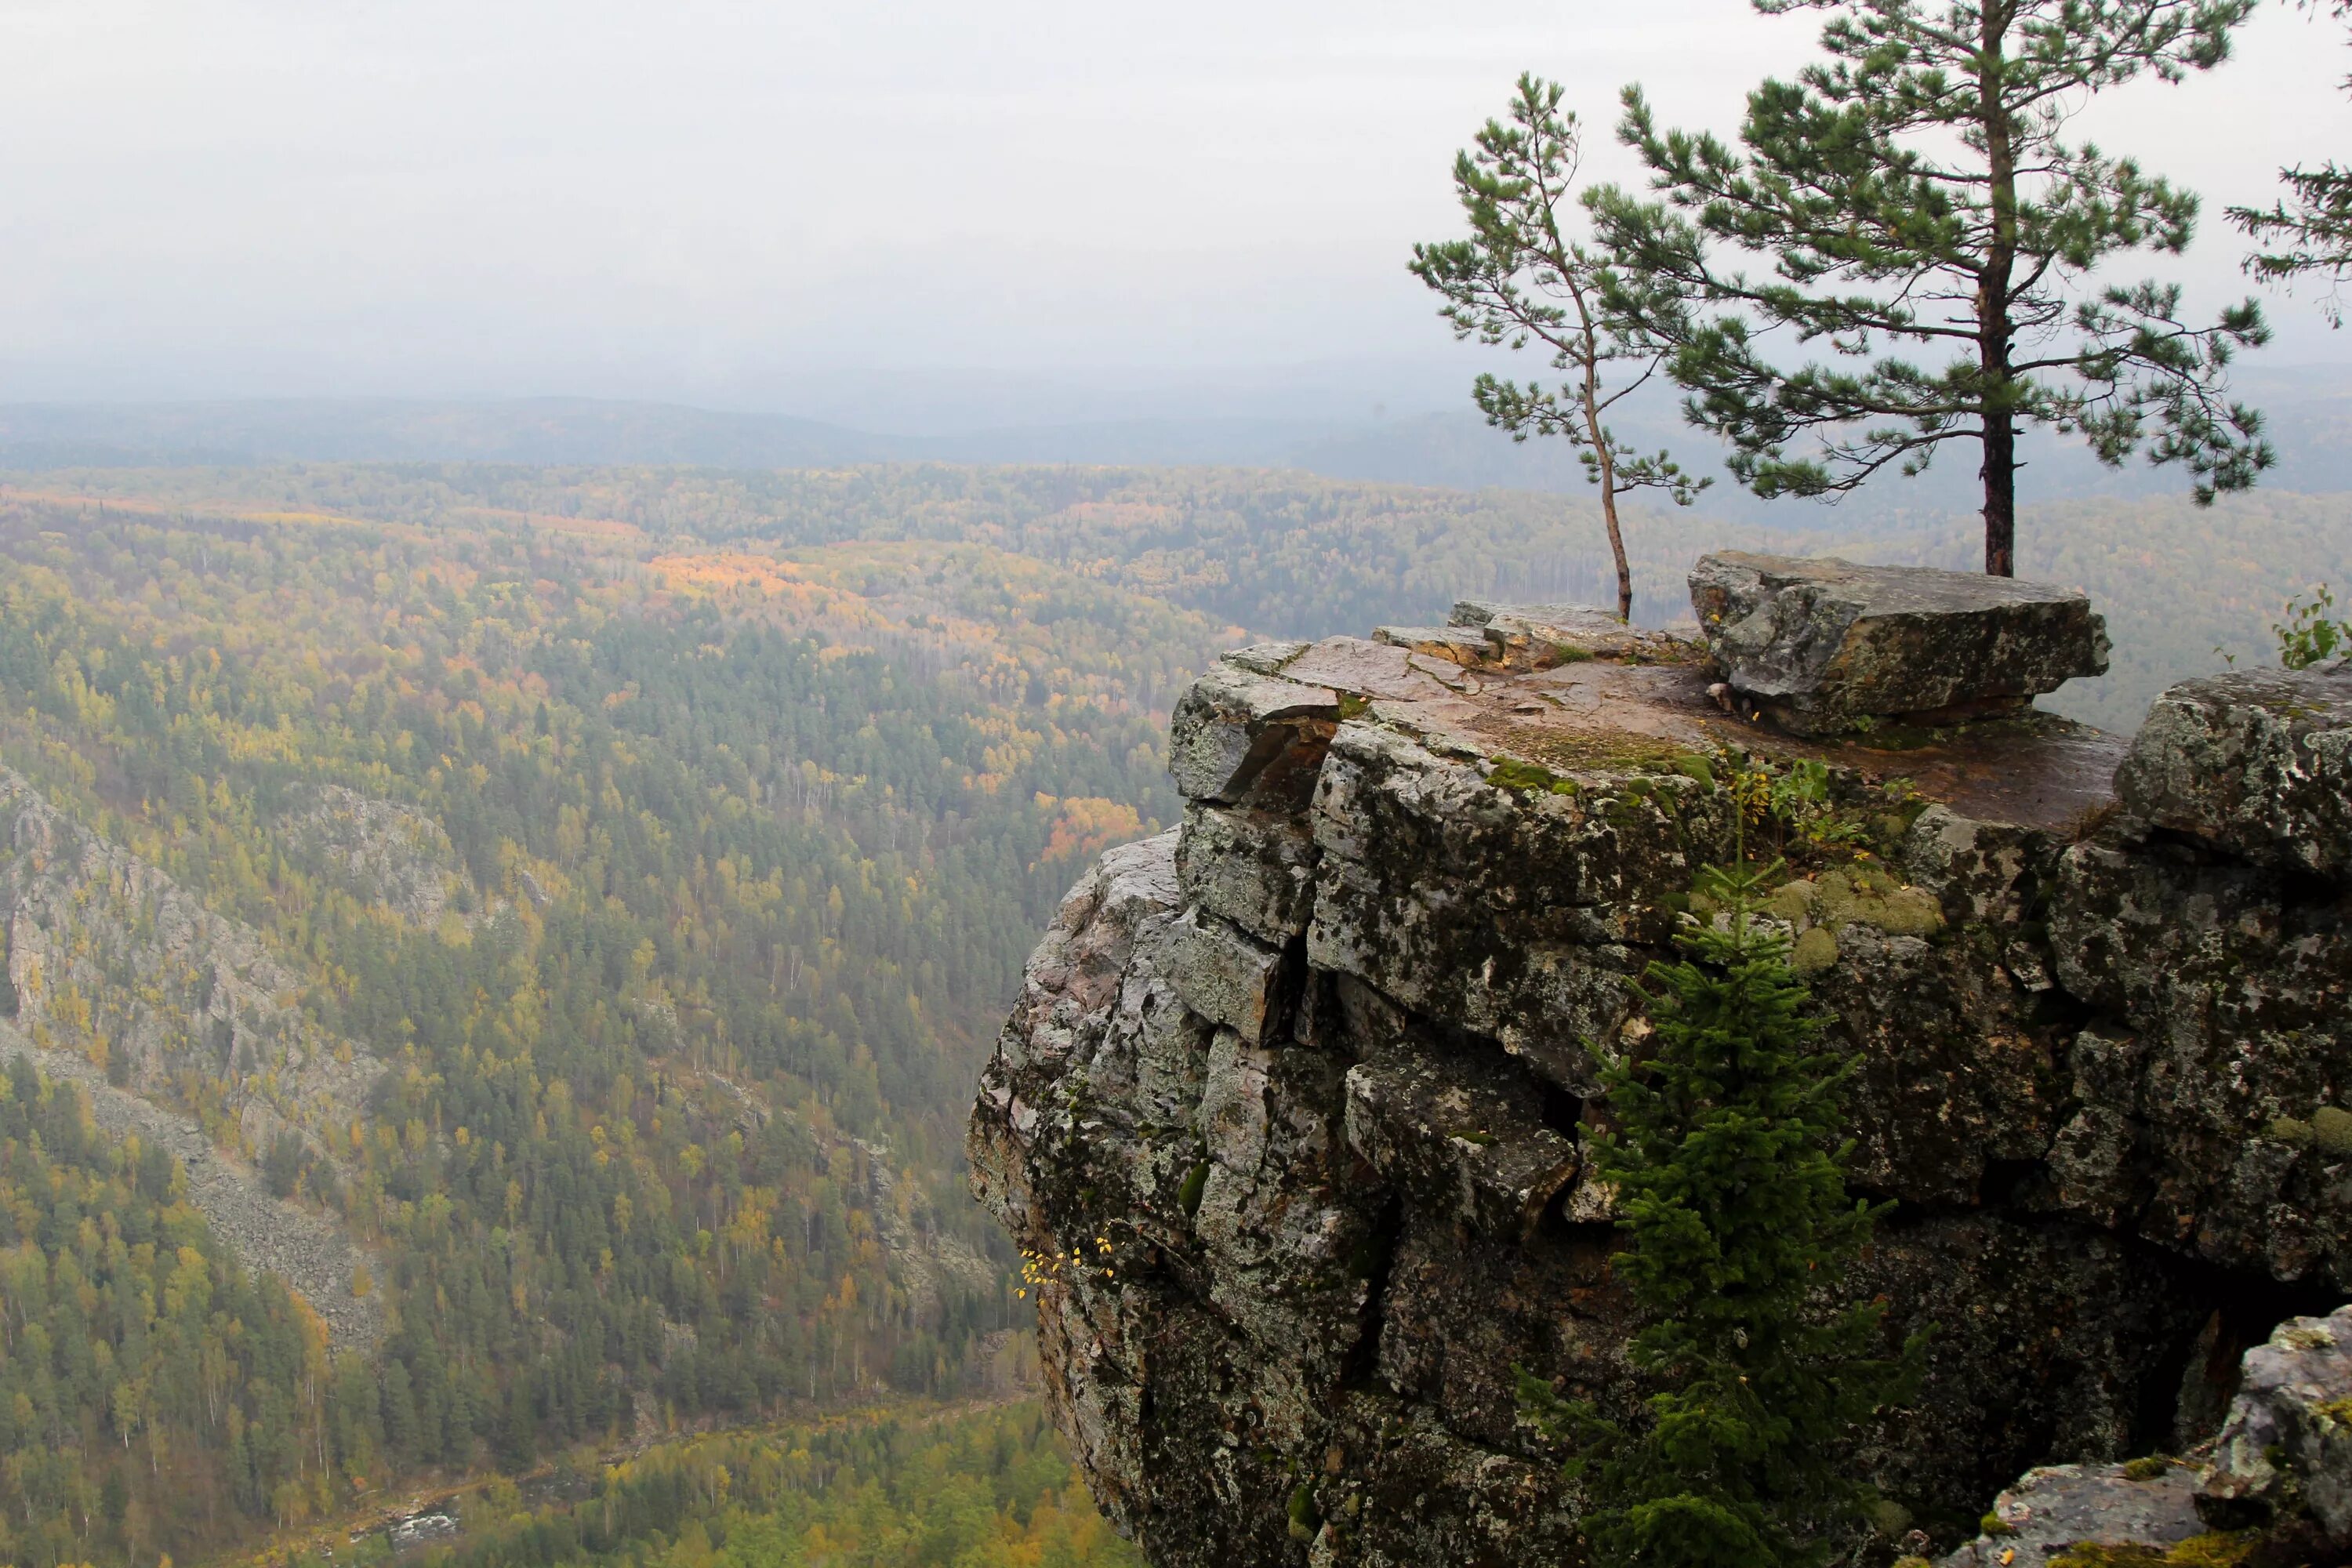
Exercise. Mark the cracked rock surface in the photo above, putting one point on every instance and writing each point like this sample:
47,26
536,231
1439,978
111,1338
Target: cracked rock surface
1296,1101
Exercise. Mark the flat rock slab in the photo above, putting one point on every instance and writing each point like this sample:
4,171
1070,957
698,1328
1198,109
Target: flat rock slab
2256,762
1457,645
2052,1509
1554,634
1824,647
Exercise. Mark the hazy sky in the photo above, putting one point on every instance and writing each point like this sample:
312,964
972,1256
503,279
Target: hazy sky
803,207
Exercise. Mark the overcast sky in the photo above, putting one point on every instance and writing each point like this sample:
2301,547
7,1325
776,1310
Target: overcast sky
817,208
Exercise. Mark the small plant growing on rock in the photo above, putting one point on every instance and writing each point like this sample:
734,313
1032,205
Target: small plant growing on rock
2309,635
1037,1268
1732,1195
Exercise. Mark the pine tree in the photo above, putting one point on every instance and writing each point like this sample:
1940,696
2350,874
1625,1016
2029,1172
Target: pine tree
1521,281
1917,190
2312,227
1732,1199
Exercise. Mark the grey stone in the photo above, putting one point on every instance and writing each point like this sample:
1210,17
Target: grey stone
1502,912
1472,612
1255,868
2287,1447
1365,668
1459,1133
1549,632
1341,1172
1266,658
1224,976
1235,731
1553,635
1822,645
1482,612
2225,998
2256,762
2058,1506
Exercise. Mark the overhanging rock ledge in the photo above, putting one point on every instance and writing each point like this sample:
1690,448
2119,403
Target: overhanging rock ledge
1296,1097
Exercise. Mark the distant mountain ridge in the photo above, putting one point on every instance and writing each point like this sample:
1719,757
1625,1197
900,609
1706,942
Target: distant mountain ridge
2309,411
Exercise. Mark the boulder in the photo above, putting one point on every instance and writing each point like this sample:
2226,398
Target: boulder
2287,1448
2143,1504
1237,731
1822,646
2258,764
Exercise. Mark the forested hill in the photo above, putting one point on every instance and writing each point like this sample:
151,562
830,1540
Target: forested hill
1292,553
594,891
674,1013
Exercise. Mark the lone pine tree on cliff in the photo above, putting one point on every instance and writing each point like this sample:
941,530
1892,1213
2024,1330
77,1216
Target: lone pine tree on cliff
1731,1189
1927,228
1520,279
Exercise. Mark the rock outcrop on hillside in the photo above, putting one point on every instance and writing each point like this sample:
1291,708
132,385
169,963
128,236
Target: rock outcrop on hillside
1293,1110
110,959
2272,1489
122,980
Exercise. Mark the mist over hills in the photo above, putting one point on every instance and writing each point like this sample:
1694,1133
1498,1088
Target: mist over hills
2309,412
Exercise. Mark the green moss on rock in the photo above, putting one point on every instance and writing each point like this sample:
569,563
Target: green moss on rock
2212,1550
2331,1131
1529,778
2290,1129
1188,1197
1815,951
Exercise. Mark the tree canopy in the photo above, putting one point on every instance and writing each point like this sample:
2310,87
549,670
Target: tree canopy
1920,212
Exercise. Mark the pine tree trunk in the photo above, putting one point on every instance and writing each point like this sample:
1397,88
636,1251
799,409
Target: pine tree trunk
1994,301
1617,550
2000,495
1606,470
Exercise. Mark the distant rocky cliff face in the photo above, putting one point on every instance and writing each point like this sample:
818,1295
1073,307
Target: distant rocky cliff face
1293,1110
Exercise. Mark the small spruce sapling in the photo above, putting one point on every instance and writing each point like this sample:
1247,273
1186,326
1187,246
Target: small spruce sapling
1731,1194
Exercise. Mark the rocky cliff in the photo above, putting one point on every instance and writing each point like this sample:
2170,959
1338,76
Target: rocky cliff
1291,1114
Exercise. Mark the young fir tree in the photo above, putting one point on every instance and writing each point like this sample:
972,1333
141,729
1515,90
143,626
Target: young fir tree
1731,1195
1924,217
2310,227
1519,280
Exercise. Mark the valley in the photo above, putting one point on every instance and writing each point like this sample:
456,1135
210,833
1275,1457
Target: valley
552,920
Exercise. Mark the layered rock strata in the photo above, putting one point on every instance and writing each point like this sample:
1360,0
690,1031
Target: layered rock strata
1293,1112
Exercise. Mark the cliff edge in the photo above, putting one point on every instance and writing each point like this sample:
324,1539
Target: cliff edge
1290,1116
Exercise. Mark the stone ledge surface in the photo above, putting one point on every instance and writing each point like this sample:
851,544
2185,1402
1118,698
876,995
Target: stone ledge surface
2060,1505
